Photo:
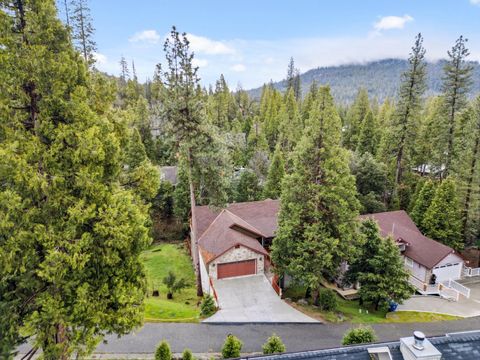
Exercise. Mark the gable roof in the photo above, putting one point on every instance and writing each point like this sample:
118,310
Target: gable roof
221,235
400,226
262,215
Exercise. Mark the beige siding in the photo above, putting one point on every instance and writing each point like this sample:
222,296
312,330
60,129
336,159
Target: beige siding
204,276
236,254
417,270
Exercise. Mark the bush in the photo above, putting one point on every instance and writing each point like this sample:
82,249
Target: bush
359,335
173,285
231,348
163,351
327,300
187,355
208,306
273,345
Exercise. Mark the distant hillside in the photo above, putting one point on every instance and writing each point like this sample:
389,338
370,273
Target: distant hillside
381,79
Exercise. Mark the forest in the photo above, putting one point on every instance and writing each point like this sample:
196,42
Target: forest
80,151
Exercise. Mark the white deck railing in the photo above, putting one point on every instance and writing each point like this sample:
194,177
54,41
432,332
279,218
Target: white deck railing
449,293
463,290
469,272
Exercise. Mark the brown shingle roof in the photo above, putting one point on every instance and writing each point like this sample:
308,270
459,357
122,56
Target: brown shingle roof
219,236
262,215
422,249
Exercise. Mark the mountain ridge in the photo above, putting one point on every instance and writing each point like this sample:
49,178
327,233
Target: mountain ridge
381,78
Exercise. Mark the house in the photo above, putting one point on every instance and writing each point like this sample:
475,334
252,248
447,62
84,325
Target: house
235,241
455,346
422,255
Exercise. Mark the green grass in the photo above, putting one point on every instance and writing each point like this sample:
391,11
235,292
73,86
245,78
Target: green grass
159,260
351,311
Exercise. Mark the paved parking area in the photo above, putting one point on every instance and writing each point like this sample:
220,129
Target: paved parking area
251,299
464,307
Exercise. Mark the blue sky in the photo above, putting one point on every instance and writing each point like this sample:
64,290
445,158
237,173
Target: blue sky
250,42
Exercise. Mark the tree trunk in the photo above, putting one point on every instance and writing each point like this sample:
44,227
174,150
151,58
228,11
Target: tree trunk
193,227
466,207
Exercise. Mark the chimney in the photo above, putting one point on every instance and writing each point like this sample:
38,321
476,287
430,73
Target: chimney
418,347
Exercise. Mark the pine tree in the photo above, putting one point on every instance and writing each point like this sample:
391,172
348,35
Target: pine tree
318,202
83,30
422,203
442,220
197,142
379,269
412,89
273,185
69,230
289,128
248,187
124,72
368,139
470,215
355,116
456,84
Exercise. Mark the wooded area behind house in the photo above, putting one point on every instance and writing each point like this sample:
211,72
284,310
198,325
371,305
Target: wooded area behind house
80,151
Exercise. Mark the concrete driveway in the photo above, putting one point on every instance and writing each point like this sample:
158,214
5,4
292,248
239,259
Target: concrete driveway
463,307
251,299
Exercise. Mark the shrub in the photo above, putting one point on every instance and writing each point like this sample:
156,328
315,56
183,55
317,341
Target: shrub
163,351
187,355
208,306
359,335
273,345
231,348
173,285
327,300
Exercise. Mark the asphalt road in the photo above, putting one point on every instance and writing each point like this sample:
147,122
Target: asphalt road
204,338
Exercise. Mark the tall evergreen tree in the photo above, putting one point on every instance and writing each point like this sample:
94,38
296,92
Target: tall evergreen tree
83,30
273,185
355,117
197,143
456,84
422,203
442,220
70,234
404,124
471,179
379,269
368,139
248,187
318,202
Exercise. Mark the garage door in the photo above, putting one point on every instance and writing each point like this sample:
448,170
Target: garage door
448,271
239,268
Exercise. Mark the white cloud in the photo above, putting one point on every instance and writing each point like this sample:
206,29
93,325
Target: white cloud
393,22
100,58
238,68
199,62
147,36
200,44
475,2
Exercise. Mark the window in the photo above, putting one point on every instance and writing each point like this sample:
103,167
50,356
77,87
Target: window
408,262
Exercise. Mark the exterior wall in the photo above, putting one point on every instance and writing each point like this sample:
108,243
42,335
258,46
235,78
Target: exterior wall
450,259
204,276
237,254
417,270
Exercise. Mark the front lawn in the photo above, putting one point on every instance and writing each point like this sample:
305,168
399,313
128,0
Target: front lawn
351,311
159,260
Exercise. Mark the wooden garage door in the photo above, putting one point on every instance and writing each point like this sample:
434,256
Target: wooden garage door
239,268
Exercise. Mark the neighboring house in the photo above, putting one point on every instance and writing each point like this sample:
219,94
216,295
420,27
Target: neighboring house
235,241
422,255
455,346
168,173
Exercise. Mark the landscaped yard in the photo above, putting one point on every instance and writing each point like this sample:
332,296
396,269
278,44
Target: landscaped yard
350,310
159,260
